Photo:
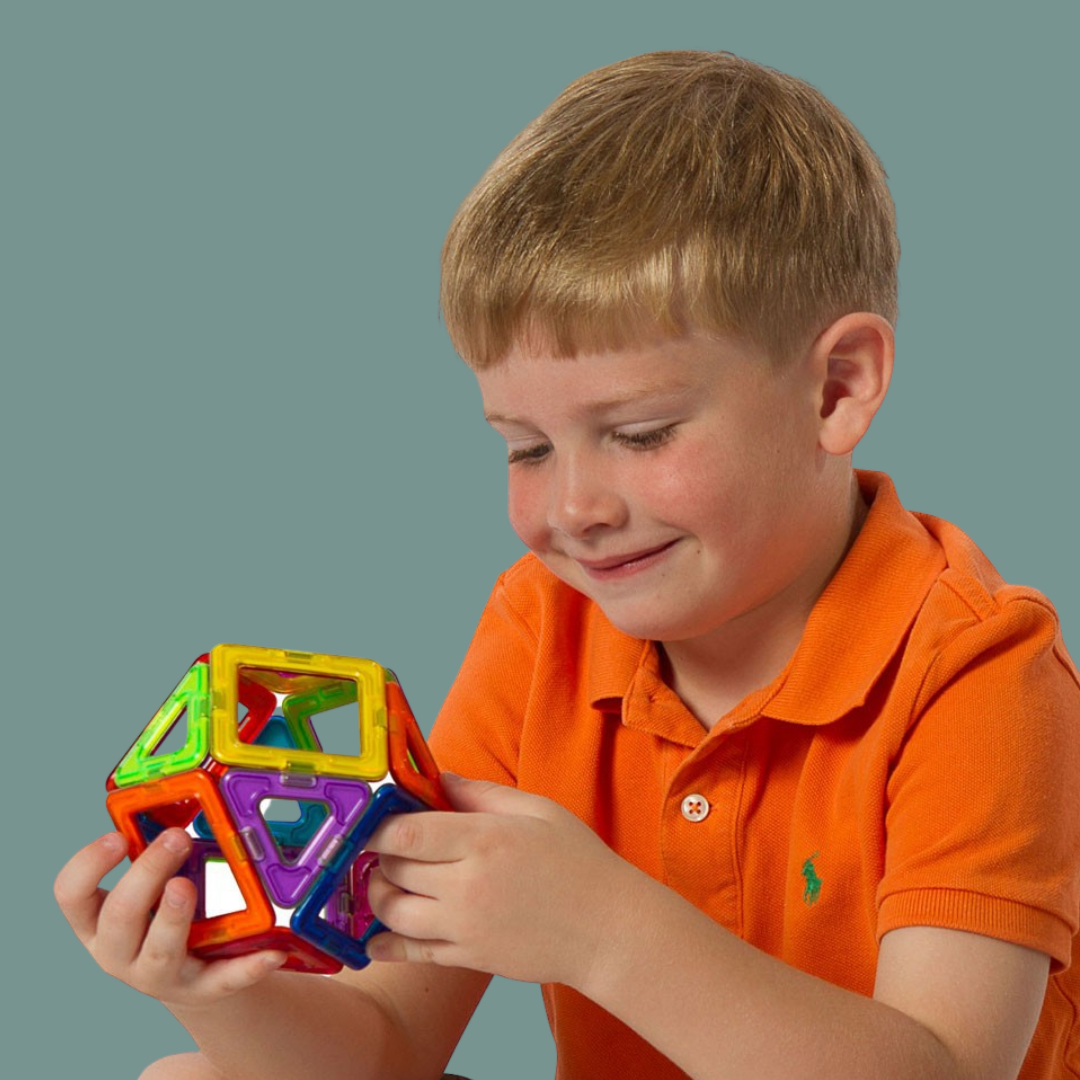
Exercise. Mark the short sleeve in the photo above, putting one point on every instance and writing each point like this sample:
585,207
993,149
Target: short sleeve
478,730
983,814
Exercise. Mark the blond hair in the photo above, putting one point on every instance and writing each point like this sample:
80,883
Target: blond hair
672,192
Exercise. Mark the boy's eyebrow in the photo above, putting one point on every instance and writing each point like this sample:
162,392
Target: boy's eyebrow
666,389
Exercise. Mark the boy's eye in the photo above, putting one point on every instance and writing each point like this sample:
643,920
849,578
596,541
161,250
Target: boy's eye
529,455
645,440
634,440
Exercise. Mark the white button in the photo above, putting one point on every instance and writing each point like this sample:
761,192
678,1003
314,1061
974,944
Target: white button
695,808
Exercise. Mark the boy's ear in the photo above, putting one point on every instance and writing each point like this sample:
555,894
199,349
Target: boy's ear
853,359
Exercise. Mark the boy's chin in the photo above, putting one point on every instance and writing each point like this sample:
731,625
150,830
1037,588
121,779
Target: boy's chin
647,625
647,617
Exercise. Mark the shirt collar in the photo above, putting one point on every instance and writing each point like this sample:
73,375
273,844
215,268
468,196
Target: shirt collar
856,627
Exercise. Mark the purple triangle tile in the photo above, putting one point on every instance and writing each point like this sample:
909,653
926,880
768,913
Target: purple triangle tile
288,877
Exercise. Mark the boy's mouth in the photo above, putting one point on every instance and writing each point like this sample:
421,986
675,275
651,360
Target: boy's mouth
618,565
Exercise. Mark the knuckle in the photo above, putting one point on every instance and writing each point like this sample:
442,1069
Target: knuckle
160,859
491,843
64,894
117,971
122,907
384,871
177,901
233,976
402,915
166,929
391,910
408,833
232,982
157,954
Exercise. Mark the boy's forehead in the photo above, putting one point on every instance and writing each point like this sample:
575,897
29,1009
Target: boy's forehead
632,395
663,359
604,381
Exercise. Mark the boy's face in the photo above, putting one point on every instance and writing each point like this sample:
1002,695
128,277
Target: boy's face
678,483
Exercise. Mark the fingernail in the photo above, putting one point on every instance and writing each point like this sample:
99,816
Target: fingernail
379,949
175,897
175,841
114,843
452,777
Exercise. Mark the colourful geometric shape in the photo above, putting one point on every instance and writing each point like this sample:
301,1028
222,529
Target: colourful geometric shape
300,705
283,730
348,909
309,920
301,955
274,729
293,673
291,822
288,874
411,764
190,700
174,801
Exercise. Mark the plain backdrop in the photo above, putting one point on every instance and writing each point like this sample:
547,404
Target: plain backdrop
230,412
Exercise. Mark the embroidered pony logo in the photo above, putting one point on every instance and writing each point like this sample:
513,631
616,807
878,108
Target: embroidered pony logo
812,889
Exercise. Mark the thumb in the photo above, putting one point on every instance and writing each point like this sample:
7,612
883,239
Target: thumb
487,797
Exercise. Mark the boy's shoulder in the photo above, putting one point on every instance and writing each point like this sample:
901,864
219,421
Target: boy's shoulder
917,602
941,570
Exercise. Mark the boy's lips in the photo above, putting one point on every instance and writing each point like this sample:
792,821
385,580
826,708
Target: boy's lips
617,565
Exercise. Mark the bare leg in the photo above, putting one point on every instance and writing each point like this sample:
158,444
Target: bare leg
181,1067
196,1067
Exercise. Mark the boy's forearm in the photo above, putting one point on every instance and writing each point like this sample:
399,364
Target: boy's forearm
293,1027
718,1007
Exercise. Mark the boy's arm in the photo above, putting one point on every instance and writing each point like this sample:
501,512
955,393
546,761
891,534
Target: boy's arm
249,1021
376,1023
518,886
947,1004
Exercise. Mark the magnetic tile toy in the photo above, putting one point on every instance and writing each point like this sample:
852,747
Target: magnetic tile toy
309,919
287,879
174,801
190,703
278,671
278,804
277,730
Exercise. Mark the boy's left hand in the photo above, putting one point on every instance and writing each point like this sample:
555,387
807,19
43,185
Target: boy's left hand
513,885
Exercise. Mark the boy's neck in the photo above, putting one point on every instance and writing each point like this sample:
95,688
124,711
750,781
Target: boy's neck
714,672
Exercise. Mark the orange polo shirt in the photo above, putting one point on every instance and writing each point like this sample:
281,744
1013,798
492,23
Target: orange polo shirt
916,763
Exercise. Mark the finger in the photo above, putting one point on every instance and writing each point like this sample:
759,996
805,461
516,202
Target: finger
76,888
404,912
431,836
485,796
421,878
125,914
165,948
389,947
223,977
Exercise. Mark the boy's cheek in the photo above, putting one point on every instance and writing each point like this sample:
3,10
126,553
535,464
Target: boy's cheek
527,516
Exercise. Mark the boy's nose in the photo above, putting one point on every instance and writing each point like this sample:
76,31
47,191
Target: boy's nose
583,500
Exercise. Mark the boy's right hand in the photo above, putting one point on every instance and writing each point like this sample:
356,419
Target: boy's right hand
147,949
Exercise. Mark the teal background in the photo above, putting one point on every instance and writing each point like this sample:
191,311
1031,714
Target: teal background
230,413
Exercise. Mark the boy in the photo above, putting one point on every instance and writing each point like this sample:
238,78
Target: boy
775,778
